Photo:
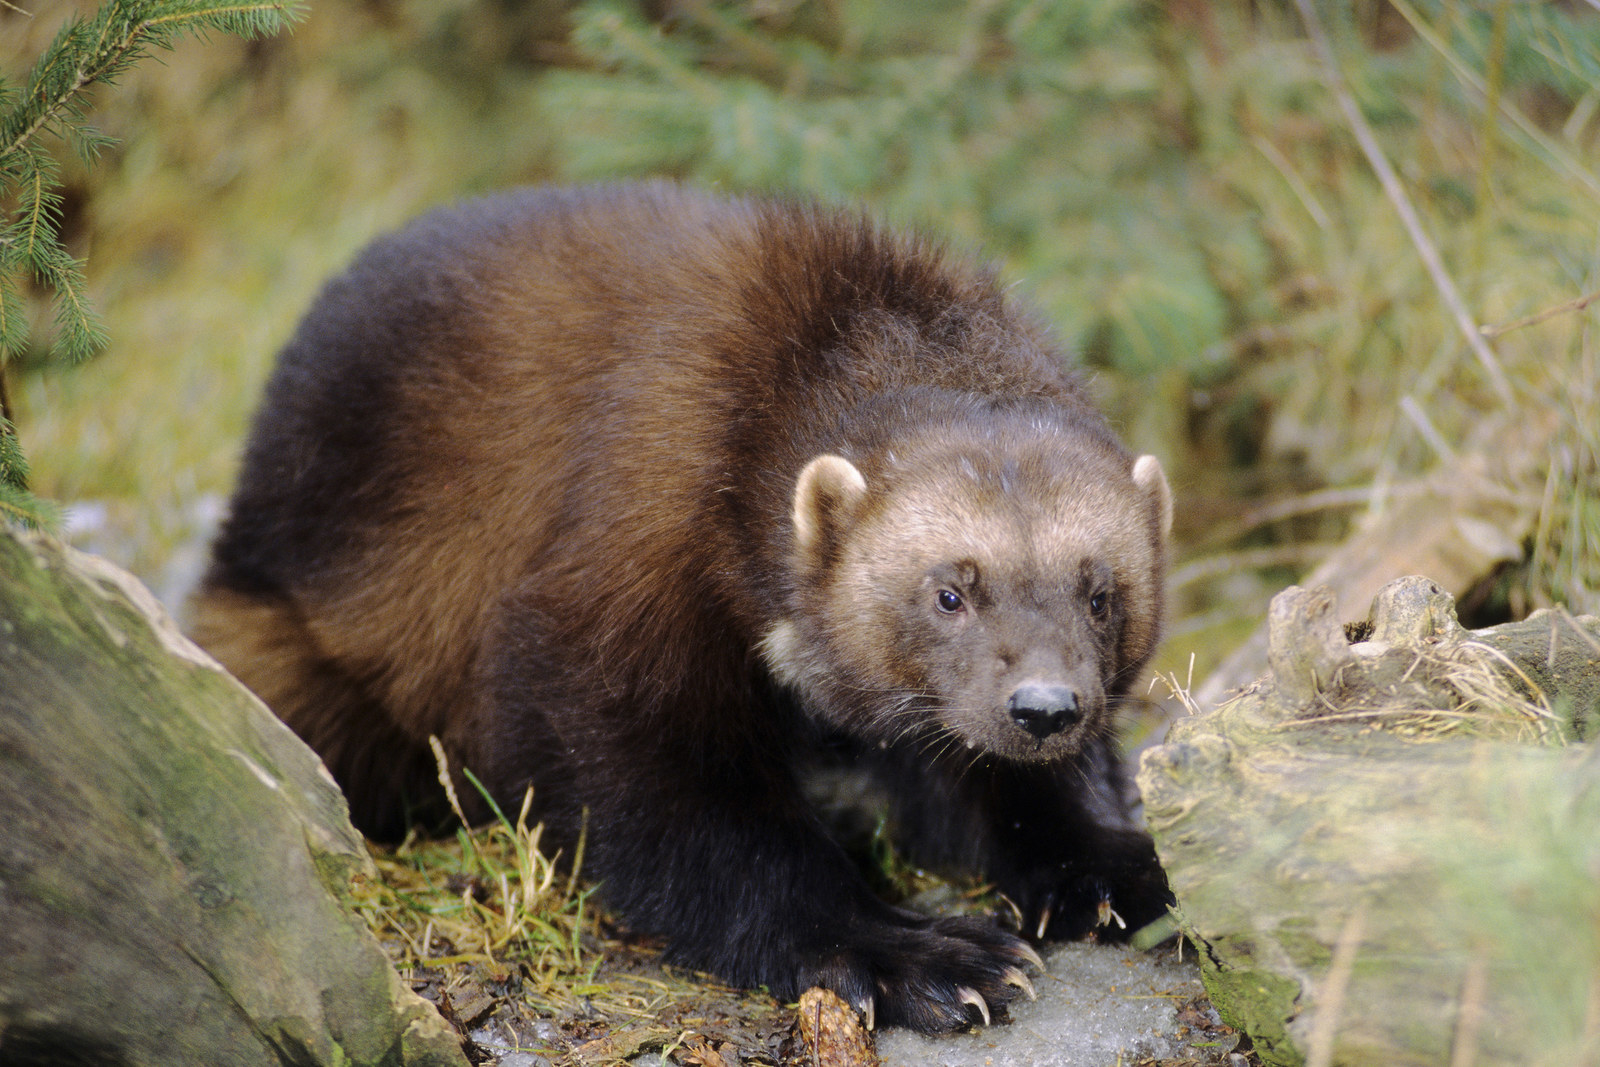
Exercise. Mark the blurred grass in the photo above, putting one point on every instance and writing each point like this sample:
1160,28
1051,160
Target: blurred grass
245,175
1173,182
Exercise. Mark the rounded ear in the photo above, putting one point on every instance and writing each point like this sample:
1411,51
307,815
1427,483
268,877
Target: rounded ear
827,492
1152,482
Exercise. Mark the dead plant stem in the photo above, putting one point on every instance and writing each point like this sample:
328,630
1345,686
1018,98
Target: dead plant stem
1469,1016
1548,313
1330,999
1556,157
1489,133
1402,203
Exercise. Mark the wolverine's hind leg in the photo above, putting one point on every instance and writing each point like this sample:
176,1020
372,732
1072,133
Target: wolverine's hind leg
389,779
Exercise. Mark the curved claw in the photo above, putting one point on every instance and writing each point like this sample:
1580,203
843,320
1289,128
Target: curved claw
1107,915
971,996
1044,923
868,1007
1014,976
1027,952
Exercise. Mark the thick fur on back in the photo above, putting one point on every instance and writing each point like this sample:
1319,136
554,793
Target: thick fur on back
525,480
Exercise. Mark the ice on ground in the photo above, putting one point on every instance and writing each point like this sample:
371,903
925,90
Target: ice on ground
1098,1006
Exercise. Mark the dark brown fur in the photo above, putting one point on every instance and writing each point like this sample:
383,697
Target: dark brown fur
540,476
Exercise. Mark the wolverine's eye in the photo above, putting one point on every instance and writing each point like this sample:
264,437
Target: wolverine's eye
1098,603
949,601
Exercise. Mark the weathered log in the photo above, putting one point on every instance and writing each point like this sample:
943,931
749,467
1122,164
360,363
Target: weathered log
173,861
1385,850
1454,525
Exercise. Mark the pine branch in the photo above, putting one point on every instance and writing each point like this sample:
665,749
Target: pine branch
86,52
13,325
17,504
120,35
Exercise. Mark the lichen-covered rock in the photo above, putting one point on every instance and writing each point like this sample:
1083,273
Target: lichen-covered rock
1385,849
172,859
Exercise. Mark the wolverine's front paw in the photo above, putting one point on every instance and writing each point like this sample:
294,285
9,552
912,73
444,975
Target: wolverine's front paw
928,974
1112,909
1120,891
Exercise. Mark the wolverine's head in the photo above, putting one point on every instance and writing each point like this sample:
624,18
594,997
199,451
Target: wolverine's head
990,585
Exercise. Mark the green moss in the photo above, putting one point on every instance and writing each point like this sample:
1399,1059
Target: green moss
1298,939
1260,1004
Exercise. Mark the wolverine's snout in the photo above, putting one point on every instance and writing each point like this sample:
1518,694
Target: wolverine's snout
1043,710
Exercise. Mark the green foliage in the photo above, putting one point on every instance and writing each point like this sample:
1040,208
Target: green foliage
85,53
1545,44
52,104
17,505
1181,191
1002,124
1174,184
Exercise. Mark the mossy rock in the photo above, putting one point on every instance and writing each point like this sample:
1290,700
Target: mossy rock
173,861
1385,850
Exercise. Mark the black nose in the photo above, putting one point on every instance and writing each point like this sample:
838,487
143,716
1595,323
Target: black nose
1043,709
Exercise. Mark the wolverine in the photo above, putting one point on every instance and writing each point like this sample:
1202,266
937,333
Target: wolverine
641,498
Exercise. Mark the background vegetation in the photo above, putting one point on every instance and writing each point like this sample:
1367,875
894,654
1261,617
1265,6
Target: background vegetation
1174,182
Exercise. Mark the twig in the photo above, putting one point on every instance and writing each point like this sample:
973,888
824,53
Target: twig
1582,634
1590,1040
1207,567
1469,1016
1548,313
1294,506
1297,184
1330,1002
1425,427
1402,203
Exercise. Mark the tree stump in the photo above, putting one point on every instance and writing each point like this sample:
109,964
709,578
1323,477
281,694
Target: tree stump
1385,850
174,863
